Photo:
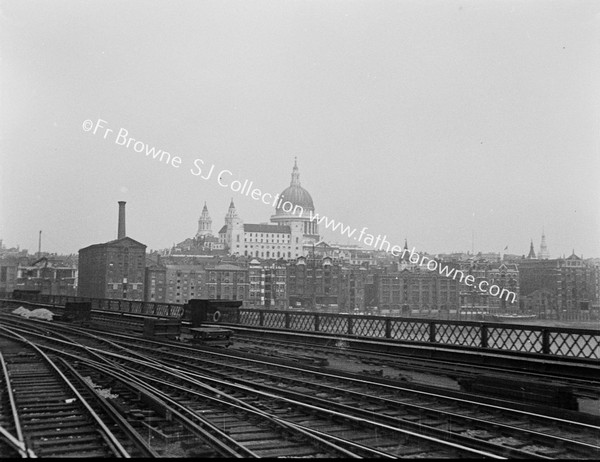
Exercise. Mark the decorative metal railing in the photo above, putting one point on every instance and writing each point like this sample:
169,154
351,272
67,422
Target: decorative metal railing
559,341
169,310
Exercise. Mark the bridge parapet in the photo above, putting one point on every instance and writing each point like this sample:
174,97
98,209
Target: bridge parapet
560,341
555,341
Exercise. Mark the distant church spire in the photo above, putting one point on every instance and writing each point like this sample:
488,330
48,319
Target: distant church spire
405,256
531,255
232,208
295,174
543,254
231,213
204,223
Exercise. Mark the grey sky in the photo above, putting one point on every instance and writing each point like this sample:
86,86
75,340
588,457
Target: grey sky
424,120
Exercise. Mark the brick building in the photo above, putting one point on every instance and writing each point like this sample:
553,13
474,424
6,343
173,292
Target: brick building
354,290
415,290
313,282
268,284
115,269
8,273
52,275
227,282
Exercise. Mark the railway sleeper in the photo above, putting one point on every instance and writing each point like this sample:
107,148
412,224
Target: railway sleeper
58,422
291,452
531,392
51,414
167,438
90,449
256,435
59,432
90,436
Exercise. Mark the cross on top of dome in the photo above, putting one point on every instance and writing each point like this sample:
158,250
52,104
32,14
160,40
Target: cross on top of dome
295,174
295,194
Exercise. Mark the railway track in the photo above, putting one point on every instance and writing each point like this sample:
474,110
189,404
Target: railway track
255,429
46,416
146,424
311,425
253,432
391,363
495,430
401,363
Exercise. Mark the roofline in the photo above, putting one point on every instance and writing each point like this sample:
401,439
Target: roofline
113,243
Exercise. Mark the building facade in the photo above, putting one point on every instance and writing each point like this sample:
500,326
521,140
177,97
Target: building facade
227,282
9,267
115,269
314,283
416,290
51,275
289,234
500,273
268,284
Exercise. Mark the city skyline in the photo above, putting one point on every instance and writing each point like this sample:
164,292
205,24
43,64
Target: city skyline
430,121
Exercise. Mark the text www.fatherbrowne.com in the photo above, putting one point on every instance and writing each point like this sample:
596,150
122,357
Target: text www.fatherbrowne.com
381,243
122,138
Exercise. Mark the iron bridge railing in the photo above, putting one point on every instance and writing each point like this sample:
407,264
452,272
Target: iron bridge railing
559,341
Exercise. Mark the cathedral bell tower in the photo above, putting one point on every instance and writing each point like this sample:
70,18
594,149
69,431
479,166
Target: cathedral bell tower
204,223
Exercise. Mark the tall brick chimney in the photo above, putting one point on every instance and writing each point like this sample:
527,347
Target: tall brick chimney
121,232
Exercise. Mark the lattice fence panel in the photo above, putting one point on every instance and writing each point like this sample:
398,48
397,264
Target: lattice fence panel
150,308
369,327
175,311
571,344
458,334
162,310
333,324
274,320
250,317
528,341
412,331
136,307
302,322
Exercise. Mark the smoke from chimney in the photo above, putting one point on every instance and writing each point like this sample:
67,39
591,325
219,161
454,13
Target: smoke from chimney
121,231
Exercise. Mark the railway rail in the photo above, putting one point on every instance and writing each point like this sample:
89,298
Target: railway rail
251,428
261,437
350,411
468,335
454,370
571,378
511,433
46,415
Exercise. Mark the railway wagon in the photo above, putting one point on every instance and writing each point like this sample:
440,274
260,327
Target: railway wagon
202,314
155,319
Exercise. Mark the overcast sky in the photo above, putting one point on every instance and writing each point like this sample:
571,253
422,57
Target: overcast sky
429,121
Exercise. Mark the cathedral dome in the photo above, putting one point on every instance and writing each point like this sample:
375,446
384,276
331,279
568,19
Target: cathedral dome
294,194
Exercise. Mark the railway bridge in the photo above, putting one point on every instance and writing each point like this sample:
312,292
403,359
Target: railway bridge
214,379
